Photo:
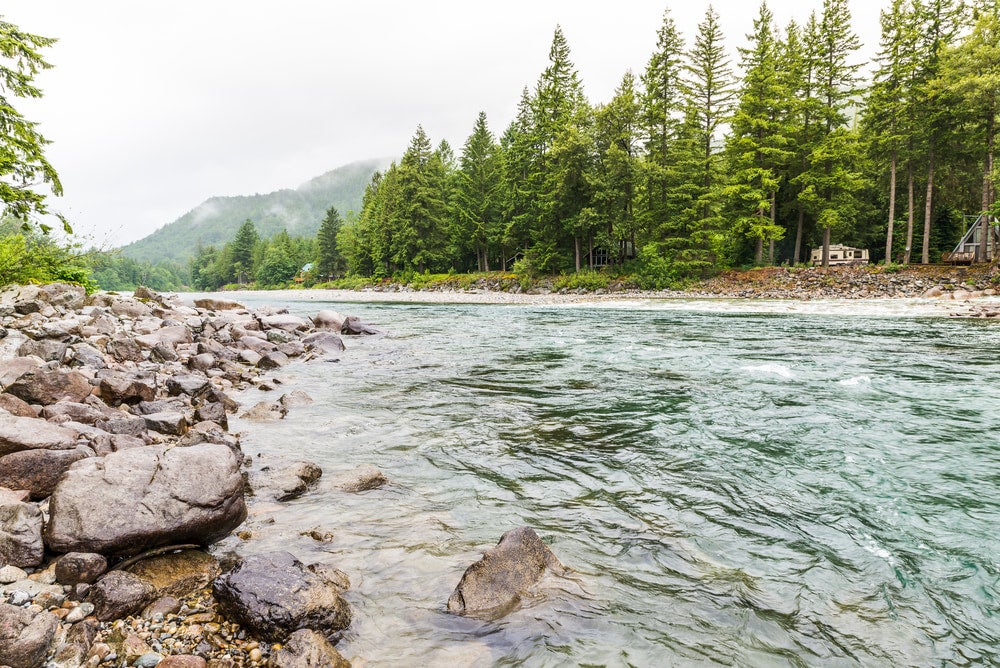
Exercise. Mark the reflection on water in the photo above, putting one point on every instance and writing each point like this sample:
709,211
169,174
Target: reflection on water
735,488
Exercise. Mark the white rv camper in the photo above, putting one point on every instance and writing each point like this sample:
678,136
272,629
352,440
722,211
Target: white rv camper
841,255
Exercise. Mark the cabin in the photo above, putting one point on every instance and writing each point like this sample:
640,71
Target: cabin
840,254
968,249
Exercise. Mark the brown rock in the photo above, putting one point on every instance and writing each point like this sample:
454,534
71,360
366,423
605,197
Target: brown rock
37,471
178,574
119,594
218,304
46,387
21,535
118,387
21,433
25,637
182,661
15,406
76,567
307,649
361,479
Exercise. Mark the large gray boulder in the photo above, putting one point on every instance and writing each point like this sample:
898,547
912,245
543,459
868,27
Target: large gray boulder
38,471
273,595
24,433
171,336
141,498
329,319
327,342
25,636
492,586
21,534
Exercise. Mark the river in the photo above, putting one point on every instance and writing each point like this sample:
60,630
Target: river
727,484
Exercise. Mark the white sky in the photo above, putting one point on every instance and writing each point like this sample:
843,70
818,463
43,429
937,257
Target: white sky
154,107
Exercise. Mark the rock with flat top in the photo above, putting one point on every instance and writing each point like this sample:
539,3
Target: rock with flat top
23,433
38,471
120,594
141,498
493,586
178,574
44,386
218,304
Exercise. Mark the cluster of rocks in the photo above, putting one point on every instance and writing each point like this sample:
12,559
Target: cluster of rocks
117,467
850,282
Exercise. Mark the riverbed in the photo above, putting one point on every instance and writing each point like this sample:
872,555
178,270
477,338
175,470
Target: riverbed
744,483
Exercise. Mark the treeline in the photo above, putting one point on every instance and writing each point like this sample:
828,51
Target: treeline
268,263
688,169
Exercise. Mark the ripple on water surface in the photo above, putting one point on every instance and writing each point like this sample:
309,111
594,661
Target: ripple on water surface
740,488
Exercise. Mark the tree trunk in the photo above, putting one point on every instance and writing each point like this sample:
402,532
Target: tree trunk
576,252
590,252
798,237
892,209
758,253
826,246
774,219
925,252
909,212
987,186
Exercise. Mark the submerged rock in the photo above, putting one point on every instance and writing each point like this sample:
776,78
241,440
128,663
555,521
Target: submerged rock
141,498
492,586
361,479
273,595
179,573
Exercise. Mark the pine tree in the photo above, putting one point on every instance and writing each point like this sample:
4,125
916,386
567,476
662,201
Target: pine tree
418,239
242,250
329,261
758,142
518,155
477,195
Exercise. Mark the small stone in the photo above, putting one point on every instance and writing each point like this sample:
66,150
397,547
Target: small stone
19,598
79,613
149,660
10,574
75,567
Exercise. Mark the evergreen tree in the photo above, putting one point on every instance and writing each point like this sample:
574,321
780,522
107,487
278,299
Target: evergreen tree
477,195
23,166
417,235
329,261
241,253
517,158
759,138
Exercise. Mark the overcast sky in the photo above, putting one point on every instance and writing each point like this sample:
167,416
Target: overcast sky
154,107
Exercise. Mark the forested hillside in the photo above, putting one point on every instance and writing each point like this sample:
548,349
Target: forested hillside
708,159
216,220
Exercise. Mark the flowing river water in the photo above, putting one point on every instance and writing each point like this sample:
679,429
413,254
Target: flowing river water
727,486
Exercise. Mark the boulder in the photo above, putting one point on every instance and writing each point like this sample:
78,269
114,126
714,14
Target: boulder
307,649
79,639
25,636
21,534
125,349
50,350
354,326
284,483
76,567
69,297
169,422
137,499
83,354
202,362
42,386
120,594
294,399
327,342
179,573
279,336
328,319
284,321
121,387
170,336
273,595
212,412
126,425
492,586
15,406
361,479
13,368
218,304
23,433
265,411
190,384
77,412
161,353
272,360
38,471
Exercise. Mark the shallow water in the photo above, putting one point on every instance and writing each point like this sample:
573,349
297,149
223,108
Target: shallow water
727,487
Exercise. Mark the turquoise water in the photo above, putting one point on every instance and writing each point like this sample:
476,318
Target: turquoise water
726,488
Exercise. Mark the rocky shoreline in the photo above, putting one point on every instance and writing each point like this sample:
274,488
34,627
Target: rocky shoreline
117,471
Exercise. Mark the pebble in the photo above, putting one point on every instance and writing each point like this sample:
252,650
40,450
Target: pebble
149,660
9,574
79,613
19,598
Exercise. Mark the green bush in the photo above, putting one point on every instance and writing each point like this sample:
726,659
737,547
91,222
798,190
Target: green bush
27,257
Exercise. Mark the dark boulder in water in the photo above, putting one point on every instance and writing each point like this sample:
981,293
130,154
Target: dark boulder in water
492,586
354,326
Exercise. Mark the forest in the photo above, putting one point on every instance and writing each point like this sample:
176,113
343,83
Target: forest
703,161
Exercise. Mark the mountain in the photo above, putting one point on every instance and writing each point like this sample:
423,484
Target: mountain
300,211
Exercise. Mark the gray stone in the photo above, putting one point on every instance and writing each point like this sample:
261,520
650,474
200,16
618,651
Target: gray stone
80,612
22,433
272,360
50,350
120,594
171,423
283,321
354,326
46,387
283,483
77,412
25,636
295,399
249,356
163,353
265,411
137,499
76,567
361,479
171,336
212,412
126,425
120,387
10,574
79,639
202,362
327,342
15,367
149,660
186,383
125,349
307,649
292,348
493,586
273,595
83,354
21,535
327,319
38,471
276,336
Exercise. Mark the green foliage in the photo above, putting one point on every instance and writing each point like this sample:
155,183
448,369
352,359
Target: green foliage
582,280
28,256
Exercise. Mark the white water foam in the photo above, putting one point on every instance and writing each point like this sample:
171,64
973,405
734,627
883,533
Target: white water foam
856,380
776,369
